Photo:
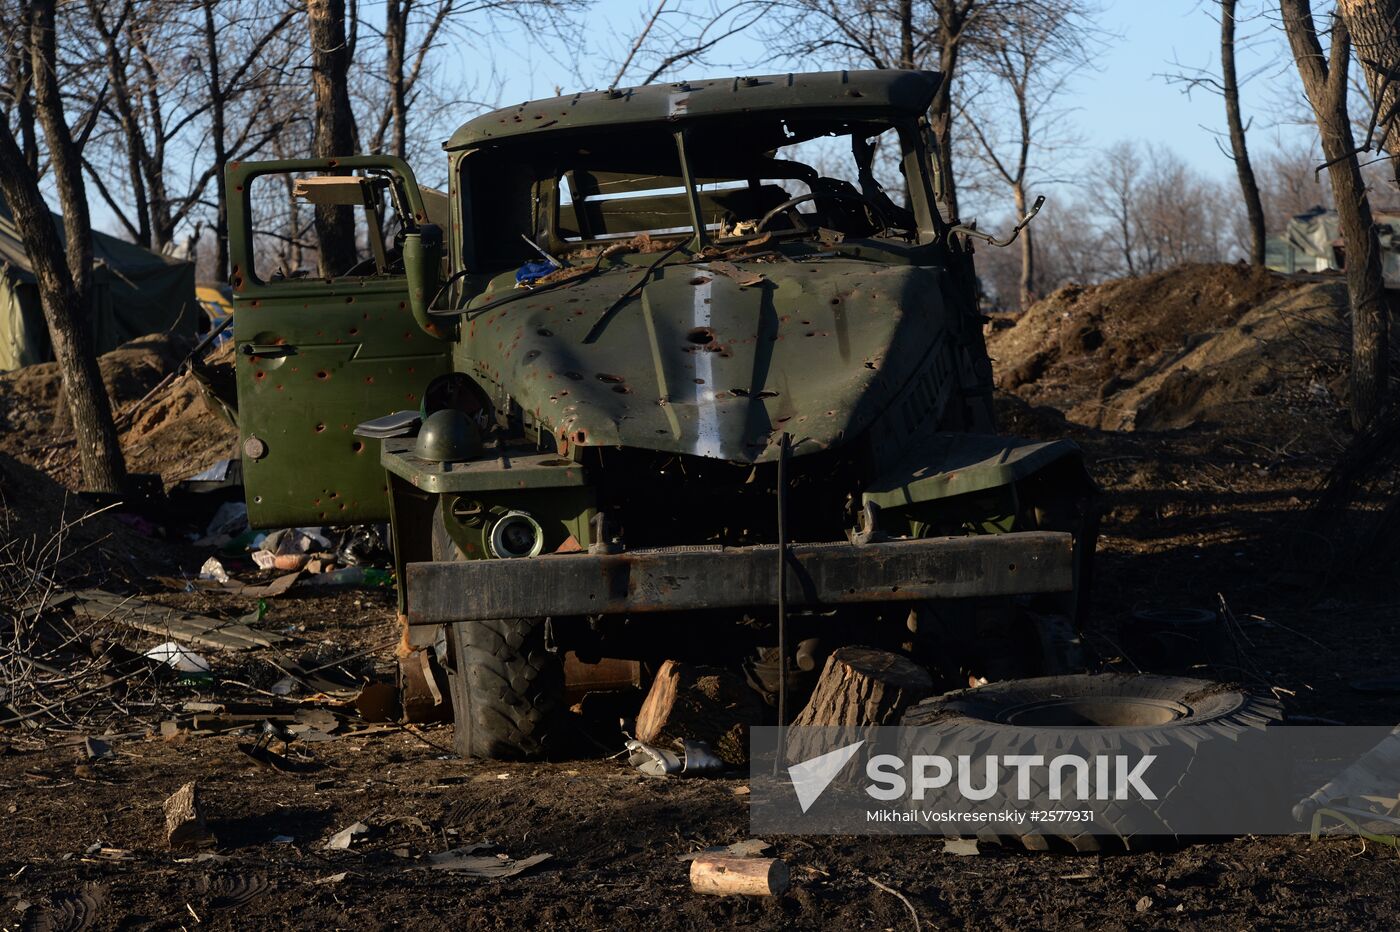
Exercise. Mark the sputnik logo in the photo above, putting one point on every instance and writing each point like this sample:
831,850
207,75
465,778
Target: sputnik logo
811,777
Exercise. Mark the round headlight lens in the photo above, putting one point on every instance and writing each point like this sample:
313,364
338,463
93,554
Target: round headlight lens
516,534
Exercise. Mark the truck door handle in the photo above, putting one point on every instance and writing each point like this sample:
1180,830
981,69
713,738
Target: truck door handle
270,350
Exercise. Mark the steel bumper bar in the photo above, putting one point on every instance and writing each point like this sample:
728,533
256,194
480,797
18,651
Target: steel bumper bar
679,579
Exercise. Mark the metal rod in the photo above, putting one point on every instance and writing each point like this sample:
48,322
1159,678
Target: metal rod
783,442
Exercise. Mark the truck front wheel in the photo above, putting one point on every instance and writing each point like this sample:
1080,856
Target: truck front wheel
507,686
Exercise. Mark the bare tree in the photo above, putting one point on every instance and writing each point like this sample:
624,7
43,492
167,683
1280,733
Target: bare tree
1226,84
333,124
677,33
1016,114
414,29
1114,190
246,62
404,67
1325,83
62,269
18,92
1181,214
899,34
1291,185
1375,29
1239,149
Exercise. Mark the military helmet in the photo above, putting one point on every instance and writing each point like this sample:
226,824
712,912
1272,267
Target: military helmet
447,436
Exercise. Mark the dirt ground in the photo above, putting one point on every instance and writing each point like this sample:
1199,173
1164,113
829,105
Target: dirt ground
1210,512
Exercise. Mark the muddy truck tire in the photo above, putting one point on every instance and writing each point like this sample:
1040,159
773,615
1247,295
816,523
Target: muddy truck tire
1200,727
507,686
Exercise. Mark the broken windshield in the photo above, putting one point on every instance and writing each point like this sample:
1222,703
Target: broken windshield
732,180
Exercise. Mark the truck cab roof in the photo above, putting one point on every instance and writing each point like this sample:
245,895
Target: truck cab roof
873,95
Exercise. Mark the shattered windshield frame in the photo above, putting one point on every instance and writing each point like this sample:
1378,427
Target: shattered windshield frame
659,183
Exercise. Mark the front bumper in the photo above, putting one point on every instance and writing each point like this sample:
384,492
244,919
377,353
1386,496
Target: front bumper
680,579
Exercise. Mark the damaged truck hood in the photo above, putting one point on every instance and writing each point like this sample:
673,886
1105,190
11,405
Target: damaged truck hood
710,362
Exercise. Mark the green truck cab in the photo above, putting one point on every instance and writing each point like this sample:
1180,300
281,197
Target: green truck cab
653,345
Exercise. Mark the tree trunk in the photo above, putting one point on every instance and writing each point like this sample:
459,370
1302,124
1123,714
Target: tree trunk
708,704
952,18
21,90
395,46
334,126
1027,250
1325,83
163,219
120,93
218,139
64,286
906,34
1254,206
860,688
1375,29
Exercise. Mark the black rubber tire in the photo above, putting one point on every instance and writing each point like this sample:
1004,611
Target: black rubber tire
507,687
1029,716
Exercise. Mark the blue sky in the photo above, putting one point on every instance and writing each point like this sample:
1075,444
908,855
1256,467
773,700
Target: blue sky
1125,98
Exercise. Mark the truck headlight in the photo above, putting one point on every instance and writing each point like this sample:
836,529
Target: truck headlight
516,534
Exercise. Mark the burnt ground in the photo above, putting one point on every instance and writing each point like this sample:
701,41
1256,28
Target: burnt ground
1190,517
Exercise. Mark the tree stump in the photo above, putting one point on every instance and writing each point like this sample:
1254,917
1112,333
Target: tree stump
860,688
708,704
184,820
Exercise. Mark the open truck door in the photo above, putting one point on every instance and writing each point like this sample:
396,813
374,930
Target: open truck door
317,355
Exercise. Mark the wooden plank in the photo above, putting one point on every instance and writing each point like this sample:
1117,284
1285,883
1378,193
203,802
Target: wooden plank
185,627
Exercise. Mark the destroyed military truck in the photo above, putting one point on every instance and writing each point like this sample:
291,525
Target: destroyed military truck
688,371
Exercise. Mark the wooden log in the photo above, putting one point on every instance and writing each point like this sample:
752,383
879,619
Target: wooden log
708,704
725,876
185,828
859,688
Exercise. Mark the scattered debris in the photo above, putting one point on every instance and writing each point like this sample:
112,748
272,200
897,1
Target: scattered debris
961,847
213,569
712,705
469,860
198,630
378,702
178,658
95,749
345,839
748,848
695,759
185,828
423,688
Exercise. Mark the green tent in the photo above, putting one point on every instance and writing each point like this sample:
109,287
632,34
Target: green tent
134,292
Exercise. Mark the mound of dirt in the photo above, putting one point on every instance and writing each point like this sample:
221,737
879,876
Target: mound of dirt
1193,343
172,430
1290,350
48,530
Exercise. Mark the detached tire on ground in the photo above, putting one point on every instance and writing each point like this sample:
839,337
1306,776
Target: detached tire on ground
1197,727
507,687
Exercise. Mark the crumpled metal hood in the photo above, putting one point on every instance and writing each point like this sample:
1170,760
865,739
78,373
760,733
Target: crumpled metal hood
705,365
